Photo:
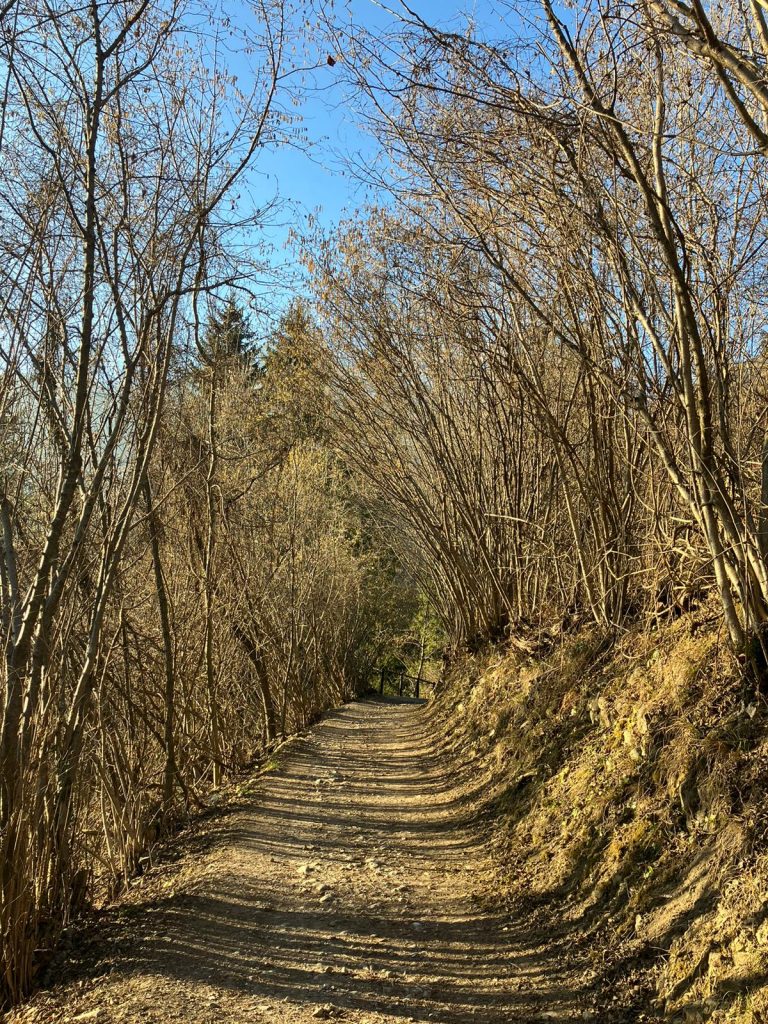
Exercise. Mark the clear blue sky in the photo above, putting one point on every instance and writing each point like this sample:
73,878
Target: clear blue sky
313,179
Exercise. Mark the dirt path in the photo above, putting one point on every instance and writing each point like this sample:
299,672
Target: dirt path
349,887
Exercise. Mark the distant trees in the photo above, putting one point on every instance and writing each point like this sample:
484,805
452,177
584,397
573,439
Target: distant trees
550,355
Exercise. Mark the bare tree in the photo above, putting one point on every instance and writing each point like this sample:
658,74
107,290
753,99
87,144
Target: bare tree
599,175
123,144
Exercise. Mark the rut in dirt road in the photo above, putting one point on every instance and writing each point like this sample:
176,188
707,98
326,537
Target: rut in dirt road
346,890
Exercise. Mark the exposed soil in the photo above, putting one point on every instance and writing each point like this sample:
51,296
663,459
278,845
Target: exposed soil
351,882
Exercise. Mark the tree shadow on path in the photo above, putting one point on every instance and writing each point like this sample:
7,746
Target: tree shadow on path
346,887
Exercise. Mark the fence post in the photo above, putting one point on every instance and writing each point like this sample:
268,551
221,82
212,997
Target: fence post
401,683
418,685
381,682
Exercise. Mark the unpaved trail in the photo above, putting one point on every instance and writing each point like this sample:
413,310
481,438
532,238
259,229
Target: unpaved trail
346,888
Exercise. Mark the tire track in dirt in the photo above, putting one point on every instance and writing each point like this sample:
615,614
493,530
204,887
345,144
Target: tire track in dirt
347,888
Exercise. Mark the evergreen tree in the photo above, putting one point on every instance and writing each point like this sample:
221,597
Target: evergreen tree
230,339
293,390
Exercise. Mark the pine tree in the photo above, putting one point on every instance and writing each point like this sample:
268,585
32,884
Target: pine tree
293,391
229,339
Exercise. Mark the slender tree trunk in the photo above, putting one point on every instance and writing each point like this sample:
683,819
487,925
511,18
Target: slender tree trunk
209,581
262,678
169,771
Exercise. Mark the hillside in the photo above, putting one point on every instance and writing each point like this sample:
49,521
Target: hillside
625,783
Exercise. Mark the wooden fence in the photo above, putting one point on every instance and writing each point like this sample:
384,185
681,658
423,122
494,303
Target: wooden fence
403,684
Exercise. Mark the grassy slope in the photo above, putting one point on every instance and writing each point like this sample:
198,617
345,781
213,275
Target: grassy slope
629,780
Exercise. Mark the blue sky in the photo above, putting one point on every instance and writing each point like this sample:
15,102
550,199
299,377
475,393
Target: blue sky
313,179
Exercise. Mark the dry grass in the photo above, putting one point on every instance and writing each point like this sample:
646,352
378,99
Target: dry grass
632,778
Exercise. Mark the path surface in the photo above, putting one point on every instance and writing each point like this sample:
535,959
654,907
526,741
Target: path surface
346,889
